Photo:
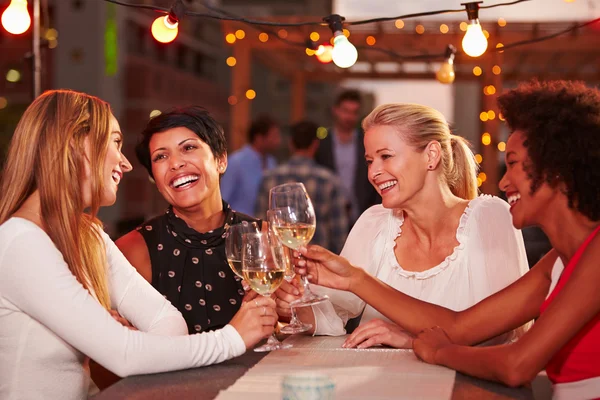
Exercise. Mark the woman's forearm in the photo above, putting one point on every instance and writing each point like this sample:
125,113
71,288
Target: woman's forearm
496,363
411,314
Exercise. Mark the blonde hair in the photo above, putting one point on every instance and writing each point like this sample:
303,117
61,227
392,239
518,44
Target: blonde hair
419,125
47,154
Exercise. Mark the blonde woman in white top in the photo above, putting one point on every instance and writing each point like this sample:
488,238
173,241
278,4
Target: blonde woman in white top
431,238
61,275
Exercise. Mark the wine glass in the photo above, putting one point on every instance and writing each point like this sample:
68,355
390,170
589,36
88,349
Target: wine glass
295,325
263,270
295,226
233,244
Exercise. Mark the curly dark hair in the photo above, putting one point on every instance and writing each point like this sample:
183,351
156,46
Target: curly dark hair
560,121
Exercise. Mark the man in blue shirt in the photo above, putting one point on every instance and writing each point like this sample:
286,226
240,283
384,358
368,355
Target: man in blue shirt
245,167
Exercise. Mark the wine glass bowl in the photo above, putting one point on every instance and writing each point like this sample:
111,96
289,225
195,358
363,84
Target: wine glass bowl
264,272
295,223
233,244
275,218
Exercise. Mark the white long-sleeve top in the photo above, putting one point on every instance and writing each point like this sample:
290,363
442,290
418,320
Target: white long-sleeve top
490,256
49,322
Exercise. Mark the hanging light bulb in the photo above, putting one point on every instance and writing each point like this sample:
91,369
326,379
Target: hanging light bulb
474,42
166,27
16,19
344,54
164,30
446,72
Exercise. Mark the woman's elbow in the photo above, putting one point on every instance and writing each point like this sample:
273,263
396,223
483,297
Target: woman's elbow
516,373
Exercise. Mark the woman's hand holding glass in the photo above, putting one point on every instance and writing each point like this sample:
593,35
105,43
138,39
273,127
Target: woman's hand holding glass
327,269
263,268
255,320
294,223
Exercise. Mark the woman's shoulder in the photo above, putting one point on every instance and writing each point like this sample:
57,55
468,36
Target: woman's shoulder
375,213
488,206
372,221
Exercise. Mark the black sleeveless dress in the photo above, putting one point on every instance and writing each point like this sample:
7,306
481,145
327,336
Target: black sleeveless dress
190,269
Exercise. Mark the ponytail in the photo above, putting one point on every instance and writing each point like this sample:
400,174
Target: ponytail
462,170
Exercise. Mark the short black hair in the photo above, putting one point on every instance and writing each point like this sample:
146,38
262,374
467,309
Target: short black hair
348,95
303,134
261,126
195,118
560,121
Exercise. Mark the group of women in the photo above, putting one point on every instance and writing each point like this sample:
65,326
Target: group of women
436,267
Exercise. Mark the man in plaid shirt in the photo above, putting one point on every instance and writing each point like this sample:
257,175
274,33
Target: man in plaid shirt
323,186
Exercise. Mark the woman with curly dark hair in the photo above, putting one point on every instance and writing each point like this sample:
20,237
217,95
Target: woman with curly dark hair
552,181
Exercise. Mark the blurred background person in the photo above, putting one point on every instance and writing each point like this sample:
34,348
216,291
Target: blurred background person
343,152
323,186
239,185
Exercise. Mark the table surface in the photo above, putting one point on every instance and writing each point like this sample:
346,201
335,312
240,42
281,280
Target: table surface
206,383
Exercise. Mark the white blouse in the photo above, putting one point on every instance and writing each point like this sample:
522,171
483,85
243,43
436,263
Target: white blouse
490,256
49,322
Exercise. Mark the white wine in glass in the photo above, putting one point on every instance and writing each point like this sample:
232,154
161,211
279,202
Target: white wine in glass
295,325
233,244
263,273
295,226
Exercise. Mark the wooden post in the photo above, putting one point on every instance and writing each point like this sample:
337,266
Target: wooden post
298,97
490,153
240,83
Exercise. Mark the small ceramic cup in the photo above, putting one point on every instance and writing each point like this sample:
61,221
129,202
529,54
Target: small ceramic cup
307,386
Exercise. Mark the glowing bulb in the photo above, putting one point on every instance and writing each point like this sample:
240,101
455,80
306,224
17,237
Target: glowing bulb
164,30
323,53
474,43
446,72
344,53
16,19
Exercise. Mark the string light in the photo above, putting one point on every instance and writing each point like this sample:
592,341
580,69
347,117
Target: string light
486,139
344,53
282,33
230,38
13,76
263,37
474,42
240,34
444,28
231,61
324,53
502,146
420,29
16,19
496,70
478,158
371,40
477,71
314,36
399,24
250,94
446,72
165,28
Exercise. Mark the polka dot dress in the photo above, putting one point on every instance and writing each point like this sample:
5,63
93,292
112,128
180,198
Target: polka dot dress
190,269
